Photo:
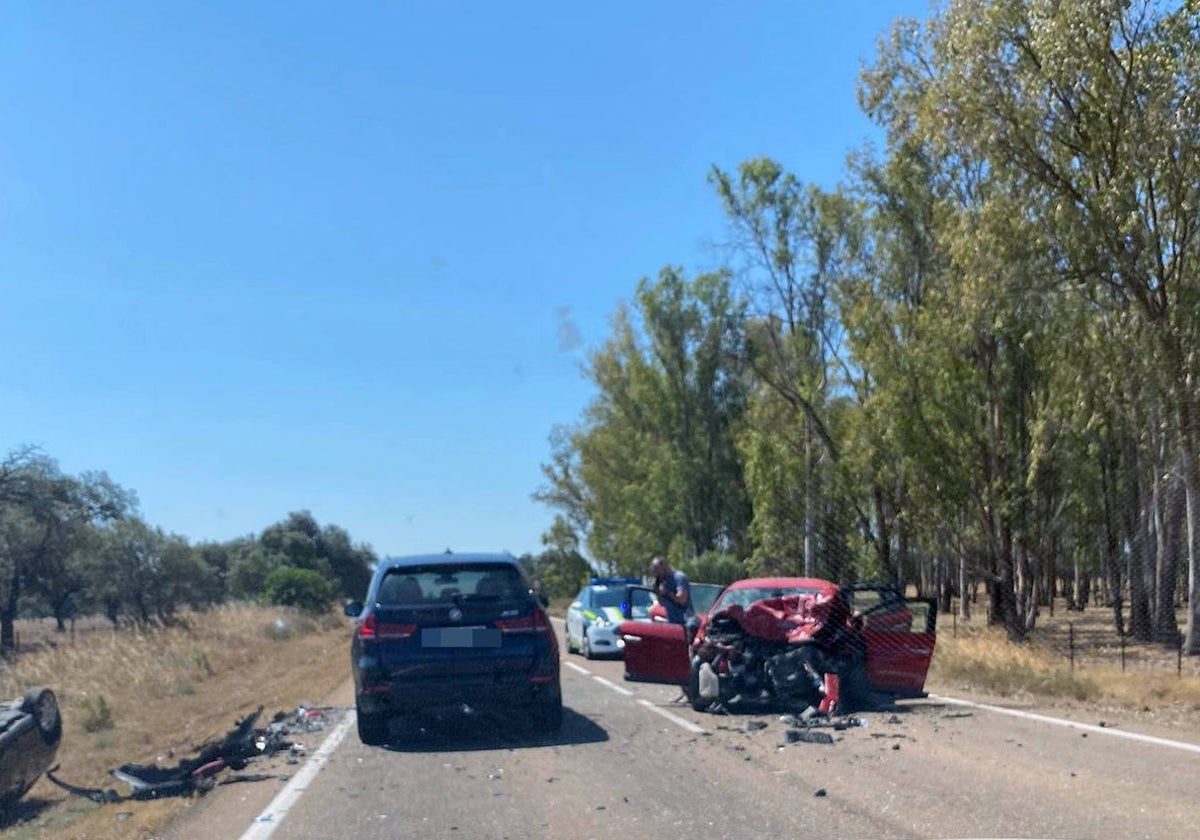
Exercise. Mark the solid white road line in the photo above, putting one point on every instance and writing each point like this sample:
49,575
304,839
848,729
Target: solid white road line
265,823
1070,724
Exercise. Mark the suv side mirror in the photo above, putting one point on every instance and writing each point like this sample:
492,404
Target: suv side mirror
353,609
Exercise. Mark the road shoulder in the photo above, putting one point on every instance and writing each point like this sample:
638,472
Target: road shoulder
230,809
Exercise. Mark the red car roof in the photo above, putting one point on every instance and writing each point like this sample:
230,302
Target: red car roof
782,583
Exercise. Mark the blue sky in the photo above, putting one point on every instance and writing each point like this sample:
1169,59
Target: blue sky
264,257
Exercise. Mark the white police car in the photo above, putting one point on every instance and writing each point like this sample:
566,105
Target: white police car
597,611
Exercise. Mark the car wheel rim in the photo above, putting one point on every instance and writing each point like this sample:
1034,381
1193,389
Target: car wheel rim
47,713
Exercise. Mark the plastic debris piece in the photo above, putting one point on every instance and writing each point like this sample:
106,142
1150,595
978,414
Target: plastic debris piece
807,736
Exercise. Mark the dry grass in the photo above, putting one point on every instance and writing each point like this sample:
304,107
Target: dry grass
978,658
146,695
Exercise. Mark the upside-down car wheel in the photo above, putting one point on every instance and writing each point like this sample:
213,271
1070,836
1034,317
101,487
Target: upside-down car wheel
43,705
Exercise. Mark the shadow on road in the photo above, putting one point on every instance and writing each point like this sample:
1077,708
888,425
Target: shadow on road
458,731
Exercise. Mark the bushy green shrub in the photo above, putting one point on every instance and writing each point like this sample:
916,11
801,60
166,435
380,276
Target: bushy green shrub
301,588
97,714
714,567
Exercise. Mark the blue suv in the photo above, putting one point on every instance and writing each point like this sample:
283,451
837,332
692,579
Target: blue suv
446,630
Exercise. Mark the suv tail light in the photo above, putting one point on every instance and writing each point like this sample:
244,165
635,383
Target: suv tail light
372,628
535,622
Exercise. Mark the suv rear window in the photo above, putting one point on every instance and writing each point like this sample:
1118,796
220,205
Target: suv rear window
442,584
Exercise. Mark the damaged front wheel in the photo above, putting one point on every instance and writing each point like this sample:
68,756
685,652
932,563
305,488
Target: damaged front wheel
43,705
703,686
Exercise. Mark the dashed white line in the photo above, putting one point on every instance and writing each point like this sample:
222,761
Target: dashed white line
675,719
1070,724
617,688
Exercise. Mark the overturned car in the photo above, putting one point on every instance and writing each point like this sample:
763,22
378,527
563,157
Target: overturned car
30,731
794,643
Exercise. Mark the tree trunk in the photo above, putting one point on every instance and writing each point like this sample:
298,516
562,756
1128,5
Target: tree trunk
1191,638
1166,629
1140,518
964,590
8,615
810,560
1004,593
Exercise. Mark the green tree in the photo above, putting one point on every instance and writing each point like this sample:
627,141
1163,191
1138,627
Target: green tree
561,568
653,467
714,567
46,520
299,542
249,566
351,565
1080,116
798,247
144,573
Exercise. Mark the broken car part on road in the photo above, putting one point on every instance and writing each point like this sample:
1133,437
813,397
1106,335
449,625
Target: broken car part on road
234,751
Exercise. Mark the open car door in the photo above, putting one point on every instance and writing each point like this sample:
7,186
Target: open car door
655,651
899,634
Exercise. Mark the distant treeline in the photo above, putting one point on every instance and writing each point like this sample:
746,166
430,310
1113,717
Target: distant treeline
975,362
74,545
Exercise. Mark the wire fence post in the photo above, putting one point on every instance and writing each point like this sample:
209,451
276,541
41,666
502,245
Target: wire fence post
1071,644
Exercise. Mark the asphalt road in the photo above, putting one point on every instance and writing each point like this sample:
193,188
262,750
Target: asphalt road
633,763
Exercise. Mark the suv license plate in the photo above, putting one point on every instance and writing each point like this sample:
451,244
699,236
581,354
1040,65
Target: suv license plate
460,637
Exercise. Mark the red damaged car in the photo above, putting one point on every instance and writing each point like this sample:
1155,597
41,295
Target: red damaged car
790,642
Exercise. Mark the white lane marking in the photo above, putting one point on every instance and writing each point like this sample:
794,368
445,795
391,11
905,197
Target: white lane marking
675,719
617,688
1070,724
264,824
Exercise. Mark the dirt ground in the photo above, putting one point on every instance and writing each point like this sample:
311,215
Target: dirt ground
166,693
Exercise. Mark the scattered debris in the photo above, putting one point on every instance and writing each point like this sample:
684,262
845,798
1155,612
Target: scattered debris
820,792
848,722
198,775
808,736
